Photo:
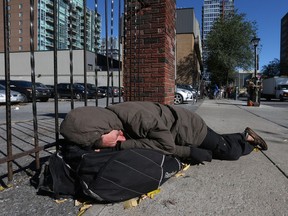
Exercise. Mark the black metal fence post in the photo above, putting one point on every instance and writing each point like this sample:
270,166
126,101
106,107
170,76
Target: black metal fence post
8,92
32,64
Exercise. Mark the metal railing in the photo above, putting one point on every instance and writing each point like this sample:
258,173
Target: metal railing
10,156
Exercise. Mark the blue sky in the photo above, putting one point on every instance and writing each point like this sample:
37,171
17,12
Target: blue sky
266,13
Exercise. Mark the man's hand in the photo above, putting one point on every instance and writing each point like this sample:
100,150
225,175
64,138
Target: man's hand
199,155
111,139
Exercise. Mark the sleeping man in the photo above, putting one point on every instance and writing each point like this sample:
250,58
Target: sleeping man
173,130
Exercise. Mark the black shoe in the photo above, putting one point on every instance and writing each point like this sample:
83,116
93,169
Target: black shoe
258,141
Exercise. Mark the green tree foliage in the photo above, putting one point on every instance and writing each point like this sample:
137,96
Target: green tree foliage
228,46
272,69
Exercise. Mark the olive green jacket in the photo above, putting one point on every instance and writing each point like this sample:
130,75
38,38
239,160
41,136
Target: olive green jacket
170,129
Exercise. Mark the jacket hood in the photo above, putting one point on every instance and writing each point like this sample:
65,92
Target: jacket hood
84,126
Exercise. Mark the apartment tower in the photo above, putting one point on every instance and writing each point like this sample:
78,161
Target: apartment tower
211,11
19,25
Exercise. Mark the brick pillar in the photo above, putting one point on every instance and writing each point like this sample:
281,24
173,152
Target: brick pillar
149,51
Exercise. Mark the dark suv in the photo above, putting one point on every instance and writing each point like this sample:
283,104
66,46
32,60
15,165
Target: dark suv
25,87
63,91
110,90
92,87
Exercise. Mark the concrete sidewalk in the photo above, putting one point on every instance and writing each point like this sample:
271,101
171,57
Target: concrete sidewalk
256,184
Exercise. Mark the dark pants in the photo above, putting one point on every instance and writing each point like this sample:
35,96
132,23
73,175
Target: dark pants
226,146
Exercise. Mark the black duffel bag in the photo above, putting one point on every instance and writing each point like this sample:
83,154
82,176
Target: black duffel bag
113,176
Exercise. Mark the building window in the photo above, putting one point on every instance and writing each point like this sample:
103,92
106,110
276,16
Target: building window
20,31
20,39
20,48
20,6
20,14
20,22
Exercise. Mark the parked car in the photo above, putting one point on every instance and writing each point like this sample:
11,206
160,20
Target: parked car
63,91
111,89
43,86
92,87
15,97
182,95
51,88
101,93
190,88
25,88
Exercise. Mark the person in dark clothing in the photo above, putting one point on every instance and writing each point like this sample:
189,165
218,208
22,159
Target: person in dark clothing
173,130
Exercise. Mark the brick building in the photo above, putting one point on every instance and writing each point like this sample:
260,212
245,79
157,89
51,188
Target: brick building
188,46
19,25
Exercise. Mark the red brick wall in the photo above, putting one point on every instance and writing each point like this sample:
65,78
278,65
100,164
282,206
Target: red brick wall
149,52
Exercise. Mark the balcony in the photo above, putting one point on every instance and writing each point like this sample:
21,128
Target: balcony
50,4
49,28
74,31
49,36
49,20
49,11
79,7
49,44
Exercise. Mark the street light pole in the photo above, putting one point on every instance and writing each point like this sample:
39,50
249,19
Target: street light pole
254,86
255,41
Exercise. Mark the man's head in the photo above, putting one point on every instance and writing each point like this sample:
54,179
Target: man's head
84,126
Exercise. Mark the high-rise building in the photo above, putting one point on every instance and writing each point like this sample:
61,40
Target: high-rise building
284,45
211,11
112,48
19,25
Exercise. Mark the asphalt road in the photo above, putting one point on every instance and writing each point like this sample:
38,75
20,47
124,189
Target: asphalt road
23,111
